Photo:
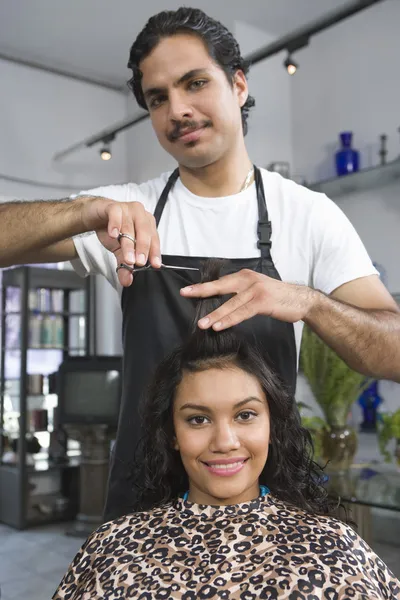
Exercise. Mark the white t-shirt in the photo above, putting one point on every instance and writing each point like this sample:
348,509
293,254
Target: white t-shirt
313,242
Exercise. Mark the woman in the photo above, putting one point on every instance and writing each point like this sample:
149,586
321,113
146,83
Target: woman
231,504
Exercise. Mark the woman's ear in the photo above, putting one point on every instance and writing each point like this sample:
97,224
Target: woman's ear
175,444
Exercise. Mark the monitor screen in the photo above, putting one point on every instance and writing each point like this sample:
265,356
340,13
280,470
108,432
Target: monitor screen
89,390
93,394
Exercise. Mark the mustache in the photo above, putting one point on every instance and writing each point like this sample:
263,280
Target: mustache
186,124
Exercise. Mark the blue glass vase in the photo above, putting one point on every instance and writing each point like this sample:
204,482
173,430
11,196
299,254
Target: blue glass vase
370,401
347,159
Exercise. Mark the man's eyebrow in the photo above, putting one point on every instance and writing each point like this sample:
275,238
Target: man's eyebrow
190,75
160,90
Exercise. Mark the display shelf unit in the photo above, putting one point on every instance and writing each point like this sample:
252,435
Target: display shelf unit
366,179
47,490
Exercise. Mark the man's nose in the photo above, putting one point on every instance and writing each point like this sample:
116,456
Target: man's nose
179,108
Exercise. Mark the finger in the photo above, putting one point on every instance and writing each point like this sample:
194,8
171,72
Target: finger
243,313
141,224
114,212
125,277
225,285
222,313
155,250
126,252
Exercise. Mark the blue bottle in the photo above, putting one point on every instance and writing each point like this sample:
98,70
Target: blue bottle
370,401
347,159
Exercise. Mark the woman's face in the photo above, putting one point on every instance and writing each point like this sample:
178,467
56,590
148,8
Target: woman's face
222,431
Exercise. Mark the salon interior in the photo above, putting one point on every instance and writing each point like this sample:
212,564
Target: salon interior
325,79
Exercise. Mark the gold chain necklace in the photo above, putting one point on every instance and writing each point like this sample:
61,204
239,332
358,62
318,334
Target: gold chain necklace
248,180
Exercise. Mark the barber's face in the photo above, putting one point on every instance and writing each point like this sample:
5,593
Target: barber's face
194,109
222,415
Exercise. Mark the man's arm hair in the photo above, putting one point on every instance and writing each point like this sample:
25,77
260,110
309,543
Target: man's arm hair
39,231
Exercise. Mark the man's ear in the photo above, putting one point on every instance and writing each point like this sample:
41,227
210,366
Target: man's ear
240,85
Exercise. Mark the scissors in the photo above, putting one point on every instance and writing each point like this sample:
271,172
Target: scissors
149,266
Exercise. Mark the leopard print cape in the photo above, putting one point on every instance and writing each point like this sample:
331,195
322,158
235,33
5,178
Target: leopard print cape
262,549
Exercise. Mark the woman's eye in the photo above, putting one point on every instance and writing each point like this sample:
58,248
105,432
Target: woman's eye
248,415
196,420
245,415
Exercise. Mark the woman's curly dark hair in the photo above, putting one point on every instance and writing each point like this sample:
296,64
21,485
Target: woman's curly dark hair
289,472
221,45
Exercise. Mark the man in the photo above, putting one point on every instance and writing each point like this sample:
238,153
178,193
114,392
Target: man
189,74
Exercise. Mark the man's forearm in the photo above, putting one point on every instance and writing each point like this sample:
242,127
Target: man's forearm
367,340
30,226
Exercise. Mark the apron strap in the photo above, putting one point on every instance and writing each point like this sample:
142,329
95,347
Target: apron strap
264,227
164,196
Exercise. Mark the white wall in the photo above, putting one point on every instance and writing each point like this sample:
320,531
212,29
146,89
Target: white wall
146,158
41,114
348,80
270,121
376,216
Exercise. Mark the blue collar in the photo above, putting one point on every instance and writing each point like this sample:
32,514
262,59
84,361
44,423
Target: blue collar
263,492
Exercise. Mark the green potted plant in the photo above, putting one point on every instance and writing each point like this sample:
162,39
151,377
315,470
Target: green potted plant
315,425
388,430
335,387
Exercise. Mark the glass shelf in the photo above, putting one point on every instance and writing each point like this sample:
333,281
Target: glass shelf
365,179
29,396
61,349
37,313
44,465
376,485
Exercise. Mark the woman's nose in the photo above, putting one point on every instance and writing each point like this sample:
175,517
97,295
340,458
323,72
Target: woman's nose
225,439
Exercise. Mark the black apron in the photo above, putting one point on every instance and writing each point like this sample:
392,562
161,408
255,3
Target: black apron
156,318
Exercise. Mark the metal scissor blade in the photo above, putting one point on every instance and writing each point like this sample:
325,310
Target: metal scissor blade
179,268
147,267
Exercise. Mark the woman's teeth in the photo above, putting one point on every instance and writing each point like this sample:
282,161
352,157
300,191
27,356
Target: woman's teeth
227,467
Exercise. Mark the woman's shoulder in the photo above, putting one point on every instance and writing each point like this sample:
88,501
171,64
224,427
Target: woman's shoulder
128,524
326,525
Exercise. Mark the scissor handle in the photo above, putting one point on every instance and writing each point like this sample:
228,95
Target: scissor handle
124,266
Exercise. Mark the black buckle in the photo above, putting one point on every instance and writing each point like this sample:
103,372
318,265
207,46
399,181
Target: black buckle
264,231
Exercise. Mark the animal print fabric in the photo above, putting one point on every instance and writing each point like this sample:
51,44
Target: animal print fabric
263,549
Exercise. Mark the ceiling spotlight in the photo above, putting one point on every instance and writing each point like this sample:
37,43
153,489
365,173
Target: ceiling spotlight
105,153
291,65
105,150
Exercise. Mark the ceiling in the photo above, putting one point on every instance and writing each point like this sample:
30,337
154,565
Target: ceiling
91,38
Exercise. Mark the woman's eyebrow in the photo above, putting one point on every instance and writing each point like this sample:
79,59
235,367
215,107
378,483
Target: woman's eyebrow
204,408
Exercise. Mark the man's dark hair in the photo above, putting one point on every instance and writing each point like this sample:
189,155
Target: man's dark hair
221,45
